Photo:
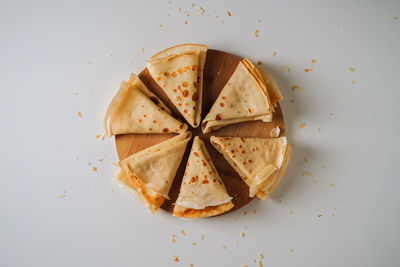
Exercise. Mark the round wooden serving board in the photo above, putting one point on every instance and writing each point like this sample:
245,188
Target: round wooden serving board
218,69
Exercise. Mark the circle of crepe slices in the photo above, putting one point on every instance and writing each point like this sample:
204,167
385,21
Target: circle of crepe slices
250,94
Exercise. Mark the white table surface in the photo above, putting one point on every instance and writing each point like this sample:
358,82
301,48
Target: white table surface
45,79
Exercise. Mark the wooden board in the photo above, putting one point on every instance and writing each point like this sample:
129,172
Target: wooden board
217,71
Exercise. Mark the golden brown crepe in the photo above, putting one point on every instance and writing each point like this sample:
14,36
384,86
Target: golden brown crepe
202,192
274,92
134,109
187,48
244,98
261,162
150,172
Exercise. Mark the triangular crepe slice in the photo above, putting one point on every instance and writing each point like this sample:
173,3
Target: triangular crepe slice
177,76
150,172
244,98
202,192
185,48
261,162
134,109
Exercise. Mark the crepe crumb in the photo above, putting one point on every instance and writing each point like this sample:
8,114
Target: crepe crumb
183,232
330,114
100,159
193,4
223,247
79,114
395,18
99,136
319,215
254,211
245,265
229,13
306,160
242,234
200,10
176,258
307,70
290,212
90,62
313,61
314,181
333,215
323,167
94,169
290,249
259,20
191,265
179,9
89,163
332,184
308,173
202,237
259,263
256,33
302,125
260,256
319,129
259,63
353,81
275,132
142,49
352,69
285,68
115,164
245,212
194,243
186,22
61,195
272,54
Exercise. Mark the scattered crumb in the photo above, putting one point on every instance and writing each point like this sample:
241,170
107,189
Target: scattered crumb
61,196
202,237
176,258
306,160
352,69
142,49
297,88
115,164
256,33
223,247
229,13
254,211
179,9
260,256
183,232
242,234
353,81
323,167
308,173
89,163
160,25
330,114
90,62
79,114
302,125
319,129
395,18
290,212
167,15
319,215
332,184
99,136
245,212
173,240
314,181
76,93
186,22
259,20
291,101
200,10
272,54
291,250
259,63
313,61
307,70
94,169
245,265
259,263
194,244
100,159
190,265
333,215
275,132
193,4
285,68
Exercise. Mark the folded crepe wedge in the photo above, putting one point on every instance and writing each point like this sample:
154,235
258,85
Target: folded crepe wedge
261,162
180,75
202,192
150,172
134,109
243,98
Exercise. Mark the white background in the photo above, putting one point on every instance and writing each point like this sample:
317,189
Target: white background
45,47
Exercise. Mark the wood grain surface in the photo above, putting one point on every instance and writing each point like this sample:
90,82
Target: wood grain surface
218,69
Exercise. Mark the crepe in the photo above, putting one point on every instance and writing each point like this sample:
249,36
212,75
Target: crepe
150,172
134,109
179,72
261,162
243,98
202,192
